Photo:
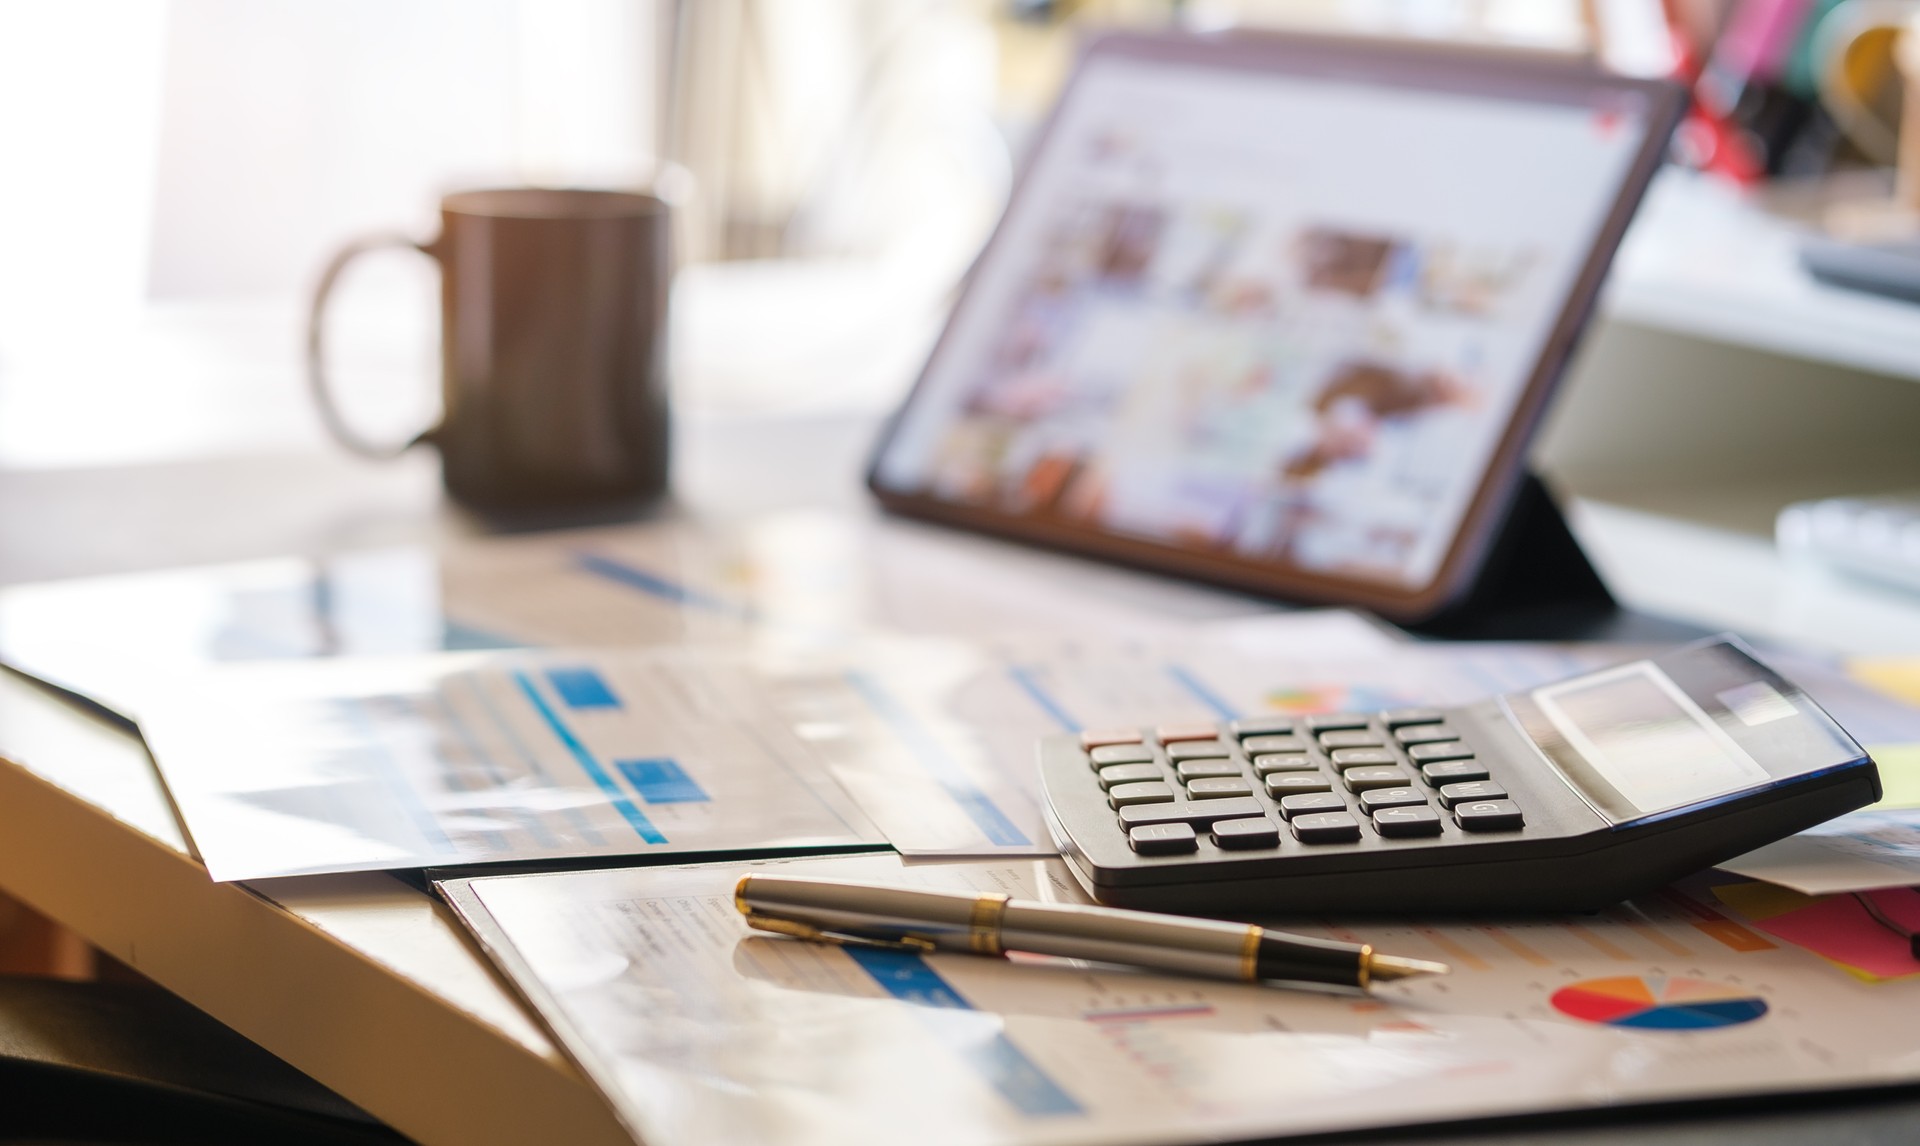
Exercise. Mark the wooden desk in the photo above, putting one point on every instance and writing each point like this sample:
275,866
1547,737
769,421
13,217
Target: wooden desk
368,985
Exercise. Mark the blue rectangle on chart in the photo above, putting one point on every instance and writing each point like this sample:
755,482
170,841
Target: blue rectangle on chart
661,781
636,818
1020,1081
582,688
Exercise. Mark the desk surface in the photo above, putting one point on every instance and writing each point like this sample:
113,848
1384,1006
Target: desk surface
369,986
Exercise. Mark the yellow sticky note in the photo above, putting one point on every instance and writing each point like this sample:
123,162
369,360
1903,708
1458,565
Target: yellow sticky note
1899,775
1896,676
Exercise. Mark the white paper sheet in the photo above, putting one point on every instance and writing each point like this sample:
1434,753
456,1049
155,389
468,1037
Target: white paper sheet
701,1031
800,580
378,763
1864,851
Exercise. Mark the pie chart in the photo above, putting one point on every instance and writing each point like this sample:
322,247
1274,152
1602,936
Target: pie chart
1658,1003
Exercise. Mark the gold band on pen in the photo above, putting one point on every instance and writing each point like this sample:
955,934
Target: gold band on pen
1250,955
1366,966
983,923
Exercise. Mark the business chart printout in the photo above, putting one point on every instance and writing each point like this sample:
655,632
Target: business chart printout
411,762
701,1030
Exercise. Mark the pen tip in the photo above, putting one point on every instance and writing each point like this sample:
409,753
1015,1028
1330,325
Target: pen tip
1388,967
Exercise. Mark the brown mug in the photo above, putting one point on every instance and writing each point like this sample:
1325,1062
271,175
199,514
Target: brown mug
553,311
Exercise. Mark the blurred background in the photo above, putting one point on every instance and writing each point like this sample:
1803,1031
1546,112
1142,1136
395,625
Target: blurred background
173,174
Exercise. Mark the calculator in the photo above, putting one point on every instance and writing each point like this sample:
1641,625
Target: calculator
1566,797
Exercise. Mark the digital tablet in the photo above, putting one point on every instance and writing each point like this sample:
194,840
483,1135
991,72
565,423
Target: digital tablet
1280,312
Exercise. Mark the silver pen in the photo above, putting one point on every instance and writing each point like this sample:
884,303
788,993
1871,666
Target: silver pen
988,923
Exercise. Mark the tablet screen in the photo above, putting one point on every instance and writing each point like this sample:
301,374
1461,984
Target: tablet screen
1283,318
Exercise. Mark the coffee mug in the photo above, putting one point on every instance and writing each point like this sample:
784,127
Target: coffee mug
553,348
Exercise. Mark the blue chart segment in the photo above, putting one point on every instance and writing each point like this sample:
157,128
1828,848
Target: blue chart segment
1658,1003
906,977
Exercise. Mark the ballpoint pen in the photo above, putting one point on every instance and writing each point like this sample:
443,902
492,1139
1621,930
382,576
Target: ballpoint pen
989,923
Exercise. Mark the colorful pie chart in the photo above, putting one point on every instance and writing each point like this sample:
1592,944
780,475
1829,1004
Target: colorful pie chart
1658,1003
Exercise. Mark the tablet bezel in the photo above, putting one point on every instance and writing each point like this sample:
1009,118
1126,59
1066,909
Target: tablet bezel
1421,66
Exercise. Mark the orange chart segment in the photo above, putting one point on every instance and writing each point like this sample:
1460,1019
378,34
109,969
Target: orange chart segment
1604,1000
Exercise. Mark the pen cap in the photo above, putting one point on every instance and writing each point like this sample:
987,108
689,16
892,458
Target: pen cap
946,918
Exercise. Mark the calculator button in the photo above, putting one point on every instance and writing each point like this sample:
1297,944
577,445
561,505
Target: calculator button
1395,823
1286,783
1173,733
1106,737
1146,792
1196,769
1400,717
1453,771
1306,803
1325,828
1329,721
1219,787
1439,750
1261,726
1240,834
1120,754
1488,816
1455,794
1257,745
1362,758
1367,779
1162,839
1129,774
1284,762
1425,734
1196,750
1193,812
1377,798
1350,738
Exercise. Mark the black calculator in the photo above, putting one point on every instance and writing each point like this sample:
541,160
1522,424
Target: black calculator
1566,797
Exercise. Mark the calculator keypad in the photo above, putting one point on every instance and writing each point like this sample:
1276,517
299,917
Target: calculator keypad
1336,778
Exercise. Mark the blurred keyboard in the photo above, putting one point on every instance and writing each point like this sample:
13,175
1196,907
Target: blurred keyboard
1873,537
1887,268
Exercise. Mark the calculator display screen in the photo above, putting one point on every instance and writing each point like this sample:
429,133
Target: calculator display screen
1646,739
1702,723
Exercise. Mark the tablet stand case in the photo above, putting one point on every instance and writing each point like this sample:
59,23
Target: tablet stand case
1537,584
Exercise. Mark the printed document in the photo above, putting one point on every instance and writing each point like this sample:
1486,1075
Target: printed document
700,1030
410,762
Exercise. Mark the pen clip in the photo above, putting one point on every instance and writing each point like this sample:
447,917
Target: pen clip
838,938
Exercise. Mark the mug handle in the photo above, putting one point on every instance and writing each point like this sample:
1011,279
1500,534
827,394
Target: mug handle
317,385
1832,41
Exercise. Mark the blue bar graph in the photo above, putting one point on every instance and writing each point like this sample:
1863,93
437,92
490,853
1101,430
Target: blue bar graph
582,688
661,781
1020,1081
636,819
